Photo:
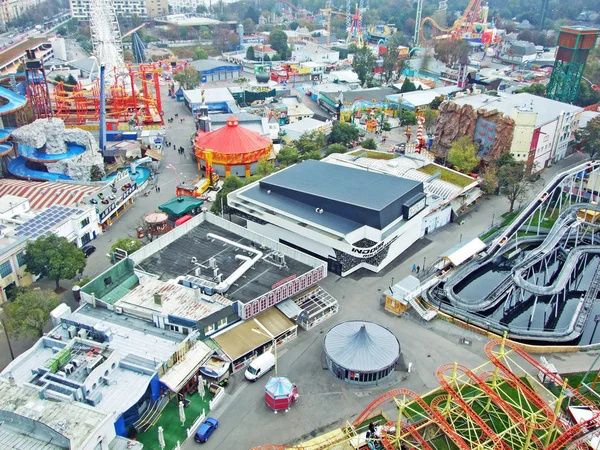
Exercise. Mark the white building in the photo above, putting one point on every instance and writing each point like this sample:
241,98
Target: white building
314,53
295,130
80,9
349,217
12,9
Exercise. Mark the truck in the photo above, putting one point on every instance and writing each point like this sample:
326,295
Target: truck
199,186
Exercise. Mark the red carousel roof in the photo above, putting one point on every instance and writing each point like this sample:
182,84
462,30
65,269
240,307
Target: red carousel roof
231,139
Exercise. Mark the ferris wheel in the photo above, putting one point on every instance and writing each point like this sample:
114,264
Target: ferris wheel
106,35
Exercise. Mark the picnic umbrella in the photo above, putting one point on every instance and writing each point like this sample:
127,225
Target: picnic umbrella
181,414
161,438
201,387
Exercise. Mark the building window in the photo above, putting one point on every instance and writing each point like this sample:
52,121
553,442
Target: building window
208,329
21,259
85,238
222,322
173,328
5,269
85,222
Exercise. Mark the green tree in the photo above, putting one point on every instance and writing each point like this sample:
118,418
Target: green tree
490,180
288,156
435,104
220,205
463,154
29,312
587,95
70,83
391,64
407,86
430,117
535,89
249,26
264,167
589,138
293,25
407,117
279,42
512,180
336,148
201,53
250,53
386,126
369,144
313,154
343,133
188,78
450,51
54,257
96,173
128,244
363,64
314,141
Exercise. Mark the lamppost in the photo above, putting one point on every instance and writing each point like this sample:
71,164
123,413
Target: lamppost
493,218
424,262
267,333
12,355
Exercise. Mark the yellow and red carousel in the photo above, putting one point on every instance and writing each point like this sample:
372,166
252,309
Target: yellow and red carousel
231,150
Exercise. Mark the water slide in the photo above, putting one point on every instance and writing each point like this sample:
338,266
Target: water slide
18,166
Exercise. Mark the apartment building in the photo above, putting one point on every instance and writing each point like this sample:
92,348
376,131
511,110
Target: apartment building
80,9
11,9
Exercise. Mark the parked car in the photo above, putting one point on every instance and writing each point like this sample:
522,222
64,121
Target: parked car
88,250
260,366
206,429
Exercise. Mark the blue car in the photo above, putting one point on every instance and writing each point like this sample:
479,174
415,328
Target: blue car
206,429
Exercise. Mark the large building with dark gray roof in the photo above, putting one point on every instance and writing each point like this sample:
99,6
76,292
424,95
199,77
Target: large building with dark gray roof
349,217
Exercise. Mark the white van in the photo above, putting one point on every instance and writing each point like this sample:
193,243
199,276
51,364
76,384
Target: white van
260,366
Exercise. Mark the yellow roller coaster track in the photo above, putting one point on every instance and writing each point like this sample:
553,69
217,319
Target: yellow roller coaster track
472,11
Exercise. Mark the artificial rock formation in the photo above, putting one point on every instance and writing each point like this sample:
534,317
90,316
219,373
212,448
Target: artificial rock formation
454,122
52,136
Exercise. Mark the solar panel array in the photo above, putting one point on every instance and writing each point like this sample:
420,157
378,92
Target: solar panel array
45,222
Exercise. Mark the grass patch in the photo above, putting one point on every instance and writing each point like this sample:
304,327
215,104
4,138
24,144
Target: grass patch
169,420
546,221
450,176
372,154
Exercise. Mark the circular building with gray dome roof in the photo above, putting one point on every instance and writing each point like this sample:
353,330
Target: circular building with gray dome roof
361,352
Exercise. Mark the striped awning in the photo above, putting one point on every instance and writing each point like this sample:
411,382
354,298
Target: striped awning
42,195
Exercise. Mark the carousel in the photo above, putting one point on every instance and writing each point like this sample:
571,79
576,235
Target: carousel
280,393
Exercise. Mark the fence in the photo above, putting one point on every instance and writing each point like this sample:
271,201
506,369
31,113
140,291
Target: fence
217,398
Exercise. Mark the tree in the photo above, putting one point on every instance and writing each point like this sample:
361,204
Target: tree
490,180
96,173
450,51
314,141
250,53
264,167
220,205
390,64
336,148
513,182
70,83
589,138
188,78
535,89
363,64
249,26
386,126
435,104
288,156
29,312
251,14
201,53
128,244
463,154
313,154
279,42
369,144
430,117
343,133
293,25
54,257
407,86
407,117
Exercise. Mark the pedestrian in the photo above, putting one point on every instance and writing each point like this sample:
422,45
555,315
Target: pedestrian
414,268
158,187
418,269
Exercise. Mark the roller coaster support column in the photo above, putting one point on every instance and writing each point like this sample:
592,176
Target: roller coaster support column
400,406
529,433
552,430
500,356
133,95
158,99
449,397
102,110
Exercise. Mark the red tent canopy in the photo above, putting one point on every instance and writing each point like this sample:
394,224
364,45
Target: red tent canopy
232,139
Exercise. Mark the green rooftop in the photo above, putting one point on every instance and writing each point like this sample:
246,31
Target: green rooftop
180,206
113,284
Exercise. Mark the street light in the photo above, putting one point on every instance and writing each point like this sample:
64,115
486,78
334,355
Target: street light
12,355
268,334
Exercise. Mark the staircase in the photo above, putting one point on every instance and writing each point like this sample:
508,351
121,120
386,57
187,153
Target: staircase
425,313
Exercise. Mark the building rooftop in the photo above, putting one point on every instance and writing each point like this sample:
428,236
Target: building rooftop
422,98
182,256
207,65
547,110
378,94
45,194
74,420
305,125
179,206
47,221
213,95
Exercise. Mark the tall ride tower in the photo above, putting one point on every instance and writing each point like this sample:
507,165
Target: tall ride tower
574,45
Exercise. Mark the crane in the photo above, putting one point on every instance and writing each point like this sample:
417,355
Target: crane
354,31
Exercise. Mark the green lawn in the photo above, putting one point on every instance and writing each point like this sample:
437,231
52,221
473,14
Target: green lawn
373,155
450,176
169,420
574,380
546,221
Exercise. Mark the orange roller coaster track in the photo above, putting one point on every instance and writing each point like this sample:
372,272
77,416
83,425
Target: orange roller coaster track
463,23
468,402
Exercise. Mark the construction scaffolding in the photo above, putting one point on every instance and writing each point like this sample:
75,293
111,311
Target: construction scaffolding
499,405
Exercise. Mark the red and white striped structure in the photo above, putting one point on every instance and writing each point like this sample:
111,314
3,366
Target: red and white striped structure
42,195
420,139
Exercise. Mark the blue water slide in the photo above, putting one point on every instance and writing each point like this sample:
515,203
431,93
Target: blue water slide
37,155
19,169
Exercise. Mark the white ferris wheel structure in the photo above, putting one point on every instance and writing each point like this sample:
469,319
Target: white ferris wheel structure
106,36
